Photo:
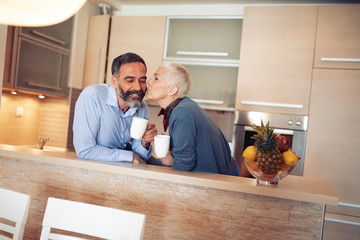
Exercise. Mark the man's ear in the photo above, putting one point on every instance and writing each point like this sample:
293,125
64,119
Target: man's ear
113,81
173,90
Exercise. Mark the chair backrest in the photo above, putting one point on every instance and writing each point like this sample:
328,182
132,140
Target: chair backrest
14,208
90,219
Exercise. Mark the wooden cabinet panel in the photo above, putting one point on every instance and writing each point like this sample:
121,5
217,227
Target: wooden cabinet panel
276,59
338,37
333,131
144,36
96,50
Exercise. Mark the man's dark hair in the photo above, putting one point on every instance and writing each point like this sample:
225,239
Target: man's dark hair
125,58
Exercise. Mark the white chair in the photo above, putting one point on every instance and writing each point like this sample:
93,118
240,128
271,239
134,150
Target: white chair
91,220
14,209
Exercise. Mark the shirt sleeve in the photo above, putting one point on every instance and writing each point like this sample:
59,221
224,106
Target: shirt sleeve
85,128
183,140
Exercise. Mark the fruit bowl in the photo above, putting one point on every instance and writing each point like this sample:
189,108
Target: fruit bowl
267,179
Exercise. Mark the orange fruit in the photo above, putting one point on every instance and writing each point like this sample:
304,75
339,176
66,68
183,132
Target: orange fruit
269,176
253,165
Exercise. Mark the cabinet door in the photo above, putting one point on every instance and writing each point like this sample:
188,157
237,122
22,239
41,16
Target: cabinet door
141,35
58,34
203,39
338,37
333,131
276,59
96,50
41,69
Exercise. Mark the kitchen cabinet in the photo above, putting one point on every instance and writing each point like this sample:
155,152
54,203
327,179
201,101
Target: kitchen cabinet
333,136
38,63
338,37
276,59
59,34
143,35
96,50
211,55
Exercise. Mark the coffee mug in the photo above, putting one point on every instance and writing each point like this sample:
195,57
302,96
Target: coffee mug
138,127
162,145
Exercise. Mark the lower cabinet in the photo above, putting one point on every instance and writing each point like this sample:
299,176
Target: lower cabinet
333,132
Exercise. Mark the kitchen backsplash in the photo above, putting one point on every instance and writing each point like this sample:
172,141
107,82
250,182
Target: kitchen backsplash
19,130
41,118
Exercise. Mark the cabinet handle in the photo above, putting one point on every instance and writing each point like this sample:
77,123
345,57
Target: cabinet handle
213,54
48,37
32,84
270,104
340,59
99,65
208,101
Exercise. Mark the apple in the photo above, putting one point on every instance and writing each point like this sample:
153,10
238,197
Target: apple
283,143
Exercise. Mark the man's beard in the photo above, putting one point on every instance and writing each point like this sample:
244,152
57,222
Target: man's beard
126,97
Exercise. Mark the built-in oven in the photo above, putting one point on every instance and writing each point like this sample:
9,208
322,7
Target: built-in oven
294,127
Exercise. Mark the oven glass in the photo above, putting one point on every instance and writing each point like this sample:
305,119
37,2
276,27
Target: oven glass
248,141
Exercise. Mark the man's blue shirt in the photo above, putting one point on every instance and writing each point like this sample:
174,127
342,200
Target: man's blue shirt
102,130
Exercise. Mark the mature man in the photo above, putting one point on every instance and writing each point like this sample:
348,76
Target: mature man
104,112
197,143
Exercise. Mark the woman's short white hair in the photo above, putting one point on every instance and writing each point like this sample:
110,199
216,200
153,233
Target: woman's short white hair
179,76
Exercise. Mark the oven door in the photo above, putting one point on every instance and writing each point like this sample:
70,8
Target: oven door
242,139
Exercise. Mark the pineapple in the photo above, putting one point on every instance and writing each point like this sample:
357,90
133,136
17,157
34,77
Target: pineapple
268,158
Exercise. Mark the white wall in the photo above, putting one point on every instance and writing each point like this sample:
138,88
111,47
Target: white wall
3,35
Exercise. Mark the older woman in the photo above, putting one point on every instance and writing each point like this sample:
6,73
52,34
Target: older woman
197,144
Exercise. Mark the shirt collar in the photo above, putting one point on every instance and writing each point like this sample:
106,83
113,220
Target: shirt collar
167,112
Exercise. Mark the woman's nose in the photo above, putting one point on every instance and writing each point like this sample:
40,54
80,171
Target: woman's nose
149,82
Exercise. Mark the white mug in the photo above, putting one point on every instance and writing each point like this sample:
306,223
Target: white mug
138,127
162,145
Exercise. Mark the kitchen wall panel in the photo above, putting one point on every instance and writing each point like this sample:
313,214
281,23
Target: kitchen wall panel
54,121
19,130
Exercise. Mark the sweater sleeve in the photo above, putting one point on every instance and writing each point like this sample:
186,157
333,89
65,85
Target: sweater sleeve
183,139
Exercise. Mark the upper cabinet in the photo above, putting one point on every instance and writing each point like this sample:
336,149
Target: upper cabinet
276,59
56,35
209,48
338,37
203,39
37,59
96,50
143,35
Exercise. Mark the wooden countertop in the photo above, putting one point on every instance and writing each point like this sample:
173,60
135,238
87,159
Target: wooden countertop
292,187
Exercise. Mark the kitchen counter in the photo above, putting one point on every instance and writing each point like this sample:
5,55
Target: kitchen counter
159,192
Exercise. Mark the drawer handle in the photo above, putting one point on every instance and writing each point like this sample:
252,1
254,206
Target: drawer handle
340,59
213,54
48,37
270,104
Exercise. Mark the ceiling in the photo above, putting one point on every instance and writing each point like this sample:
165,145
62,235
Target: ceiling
118,3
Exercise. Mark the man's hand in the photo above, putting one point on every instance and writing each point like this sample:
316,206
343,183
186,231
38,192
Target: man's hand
137,159
149,135
168,160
